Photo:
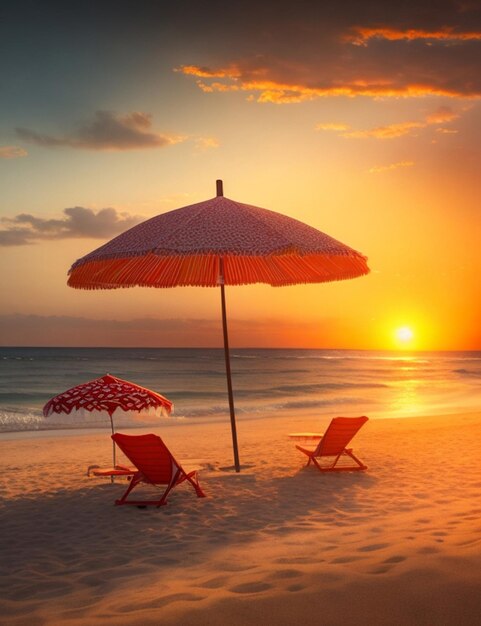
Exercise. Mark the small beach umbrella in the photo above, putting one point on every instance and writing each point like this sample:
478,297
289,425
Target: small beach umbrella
109,394
215,243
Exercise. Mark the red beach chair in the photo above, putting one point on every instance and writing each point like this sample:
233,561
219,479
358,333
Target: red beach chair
155,466
333,444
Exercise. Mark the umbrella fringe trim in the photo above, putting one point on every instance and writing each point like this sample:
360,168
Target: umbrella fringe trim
203,271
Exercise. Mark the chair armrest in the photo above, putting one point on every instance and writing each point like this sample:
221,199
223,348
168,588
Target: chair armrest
306,436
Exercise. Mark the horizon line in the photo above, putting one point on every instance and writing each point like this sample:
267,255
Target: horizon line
396,350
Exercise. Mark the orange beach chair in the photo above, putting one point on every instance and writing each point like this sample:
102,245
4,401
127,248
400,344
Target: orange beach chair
333,444
155,466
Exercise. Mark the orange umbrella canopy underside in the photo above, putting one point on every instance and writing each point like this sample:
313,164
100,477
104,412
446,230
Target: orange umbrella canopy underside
194,245
153,270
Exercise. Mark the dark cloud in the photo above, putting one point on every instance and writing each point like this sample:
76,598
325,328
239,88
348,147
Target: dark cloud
273,51
379,69
373,49
78,222
64,330
107,131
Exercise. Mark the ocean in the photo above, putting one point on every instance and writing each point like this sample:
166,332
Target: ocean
269,382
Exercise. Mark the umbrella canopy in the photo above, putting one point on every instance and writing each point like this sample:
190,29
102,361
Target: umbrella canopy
186,247
107,393
215,243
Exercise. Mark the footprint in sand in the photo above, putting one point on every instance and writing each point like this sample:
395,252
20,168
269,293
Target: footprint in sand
154,560
372,547
160,602
468,542
294,588
214,583
428,550
300,560
395,559
233,567
286,573
341,560
41,591
380,570
254,587
421,495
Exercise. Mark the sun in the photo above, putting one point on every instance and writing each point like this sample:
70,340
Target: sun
404,335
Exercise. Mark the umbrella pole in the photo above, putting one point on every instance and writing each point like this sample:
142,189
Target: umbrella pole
227,369
113,445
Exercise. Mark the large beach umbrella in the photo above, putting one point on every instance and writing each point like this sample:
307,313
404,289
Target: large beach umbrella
215,243
107,394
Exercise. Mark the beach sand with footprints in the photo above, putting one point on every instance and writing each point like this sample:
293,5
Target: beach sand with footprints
278,543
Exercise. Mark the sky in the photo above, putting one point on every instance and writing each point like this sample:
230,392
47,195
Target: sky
362,119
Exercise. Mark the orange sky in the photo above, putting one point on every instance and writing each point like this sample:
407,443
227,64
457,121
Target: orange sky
362,123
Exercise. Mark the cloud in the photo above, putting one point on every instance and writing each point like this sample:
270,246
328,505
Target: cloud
347,49
62,330
79,222
12,152
361,36
385,85
385,132
392,166
332,126
205,72
442,115
278,92
206,143
107,131
38,330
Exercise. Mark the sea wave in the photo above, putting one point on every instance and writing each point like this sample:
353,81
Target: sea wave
266,382
465,372
13,419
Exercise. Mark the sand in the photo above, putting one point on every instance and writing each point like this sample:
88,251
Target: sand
278,544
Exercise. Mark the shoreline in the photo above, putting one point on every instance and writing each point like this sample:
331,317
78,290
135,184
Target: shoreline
180,422
277,544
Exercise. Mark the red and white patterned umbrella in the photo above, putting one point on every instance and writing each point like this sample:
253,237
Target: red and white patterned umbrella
215,243
107,393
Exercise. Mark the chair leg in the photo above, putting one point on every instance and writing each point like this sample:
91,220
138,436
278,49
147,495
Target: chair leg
307,453
354,458
136,479
178,478
163,499
333,468
193,479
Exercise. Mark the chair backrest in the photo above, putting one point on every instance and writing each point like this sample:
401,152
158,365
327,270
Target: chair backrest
150,455
338,434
